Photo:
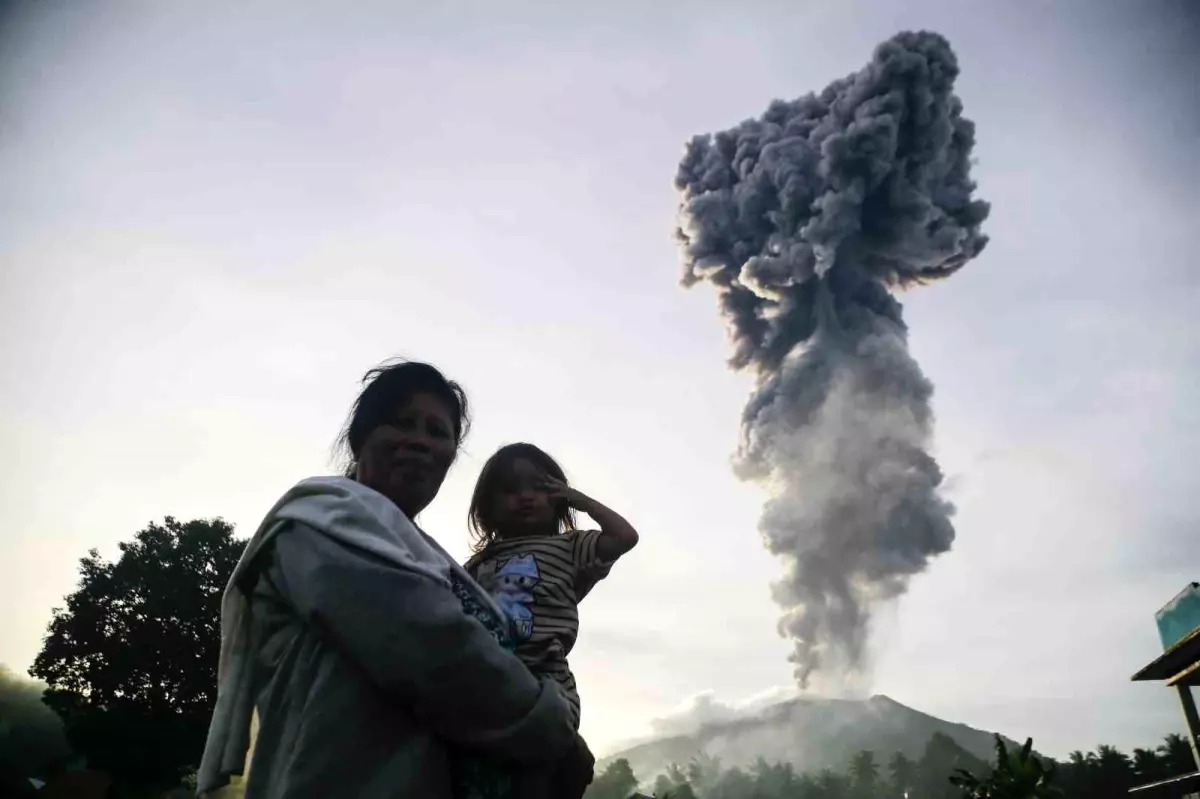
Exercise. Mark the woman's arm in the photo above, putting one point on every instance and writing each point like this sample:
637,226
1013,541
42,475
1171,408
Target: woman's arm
410,636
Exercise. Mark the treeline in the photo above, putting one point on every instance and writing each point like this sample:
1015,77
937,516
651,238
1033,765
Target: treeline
944,771
141,722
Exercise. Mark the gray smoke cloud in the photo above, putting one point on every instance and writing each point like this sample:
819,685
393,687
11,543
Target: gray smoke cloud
805,221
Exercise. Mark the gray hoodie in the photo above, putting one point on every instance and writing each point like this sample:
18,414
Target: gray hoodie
362,665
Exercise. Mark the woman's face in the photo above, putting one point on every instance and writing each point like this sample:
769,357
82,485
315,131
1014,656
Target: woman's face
522,506
407,459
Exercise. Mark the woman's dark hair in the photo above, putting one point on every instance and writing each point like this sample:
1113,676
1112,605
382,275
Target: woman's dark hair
481,516
390,385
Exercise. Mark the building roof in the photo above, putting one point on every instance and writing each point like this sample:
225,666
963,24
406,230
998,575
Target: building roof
1174,787
1179,665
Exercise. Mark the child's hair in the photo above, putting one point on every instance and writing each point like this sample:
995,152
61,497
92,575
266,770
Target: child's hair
481,516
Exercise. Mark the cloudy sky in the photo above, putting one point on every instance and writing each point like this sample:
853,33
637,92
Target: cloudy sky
214,217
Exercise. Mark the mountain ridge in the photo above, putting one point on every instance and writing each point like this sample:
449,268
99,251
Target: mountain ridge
810,733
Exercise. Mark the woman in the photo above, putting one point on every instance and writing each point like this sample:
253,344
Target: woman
371,658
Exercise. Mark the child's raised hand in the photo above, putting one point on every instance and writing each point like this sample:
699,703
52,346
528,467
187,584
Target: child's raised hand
617,535
559,490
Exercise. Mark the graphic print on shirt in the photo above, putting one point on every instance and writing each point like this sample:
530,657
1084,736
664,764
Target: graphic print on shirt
515,580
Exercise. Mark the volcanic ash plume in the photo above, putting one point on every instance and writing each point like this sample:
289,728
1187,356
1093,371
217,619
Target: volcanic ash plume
805,220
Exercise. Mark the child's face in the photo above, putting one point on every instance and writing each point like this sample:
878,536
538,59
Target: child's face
522,506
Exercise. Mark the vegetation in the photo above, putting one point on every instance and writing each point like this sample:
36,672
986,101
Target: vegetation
31,736
131,661
945,771
1015,776
129,667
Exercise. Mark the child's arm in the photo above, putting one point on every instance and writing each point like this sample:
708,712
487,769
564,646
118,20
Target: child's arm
617,536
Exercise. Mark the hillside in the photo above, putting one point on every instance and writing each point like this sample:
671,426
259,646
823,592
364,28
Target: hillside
809,733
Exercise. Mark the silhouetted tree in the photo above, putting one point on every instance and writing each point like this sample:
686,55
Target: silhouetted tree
831,785
774,779
1177,756
864,775
945,770
942,757
703,772
1019,775
903,774
1148,766
616,782
673,784
731,784
681,791
1113,771
131,660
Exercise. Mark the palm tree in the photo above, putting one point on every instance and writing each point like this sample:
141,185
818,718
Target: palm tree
903,773
1114,771
703,771
1016,776
831,785
1177,756
675,774
1076,774
732,784
864,774
773,780
1148,765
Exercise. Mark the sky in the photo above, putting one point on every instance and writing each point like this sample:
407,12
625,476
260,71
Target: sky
215,217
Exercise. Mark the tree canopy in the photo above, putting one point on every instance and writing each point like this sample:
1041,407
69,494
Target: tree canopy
615,782
131,660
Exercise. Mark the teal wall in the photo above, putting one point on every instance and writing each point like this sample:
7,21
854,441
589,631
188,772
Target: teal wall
1179,617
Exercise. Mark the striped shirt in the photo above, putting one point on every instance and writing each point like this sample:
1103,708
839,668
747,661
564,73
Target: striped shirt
539,583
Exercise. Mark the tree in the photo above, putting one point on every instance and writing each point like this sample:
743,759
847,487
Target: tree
703,771
774,779
942,757
1076,777
903,774
1177,756
1113,771
732,784
675,774
1016,776
1148,765
131,661
617,782
864,774
831,785
673,784
681,791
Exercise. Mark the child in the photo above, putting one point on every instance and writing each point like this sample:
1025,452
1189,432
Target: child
531,557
